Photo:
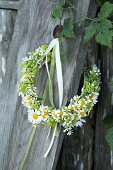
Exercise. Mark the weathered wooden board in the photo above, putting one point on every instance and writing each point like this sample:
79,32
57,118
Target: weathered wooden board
77,151
7,20
87,148
33,28
13,5
103,157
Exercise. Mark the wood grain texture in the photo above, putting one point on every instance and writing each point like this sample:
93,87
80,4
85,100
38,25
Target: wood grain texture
7,20
13,5
77,152
34,27
103,158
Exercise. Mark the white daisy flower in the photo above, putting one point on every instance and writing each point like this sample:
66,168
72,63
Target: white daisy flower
25,59
76,98
56,114
94,67
44,112
34,117
80,122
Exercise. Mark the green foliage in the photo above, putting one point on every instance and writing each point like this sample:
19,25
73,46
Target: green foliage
101,2
89,32
108,120
68,28
106,10
109,137
56,13
101,27
110,84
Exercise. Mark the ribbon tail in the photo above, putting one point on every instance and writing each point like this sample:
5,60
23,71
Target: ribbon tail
52,141
59,72
48,133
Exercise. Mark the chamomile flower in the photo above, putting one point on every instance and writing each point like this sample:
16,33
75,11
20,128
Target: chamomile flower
44,110
56,114
80,122
34,117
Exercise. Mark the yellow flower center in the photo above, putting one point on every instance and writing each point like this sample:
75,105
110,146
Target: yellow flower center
45,114
61,113
35,116
91,97
28,97
29,103
82,114
82,103
77,99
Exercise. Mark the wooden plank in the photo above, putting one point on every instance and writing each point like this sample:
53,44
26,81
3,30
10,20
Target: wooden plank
77,152
13,5
7,20
103,158
33,28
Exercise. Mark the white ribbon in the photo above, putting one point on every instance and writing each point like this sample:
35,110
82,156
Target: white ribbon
55,44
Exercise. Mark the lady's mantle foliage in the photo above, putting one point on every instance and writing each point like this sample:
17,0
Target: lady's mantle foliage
68,116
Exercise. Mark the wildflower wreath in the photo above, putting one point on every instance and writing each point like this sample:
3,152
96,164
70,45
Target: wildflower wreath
68,116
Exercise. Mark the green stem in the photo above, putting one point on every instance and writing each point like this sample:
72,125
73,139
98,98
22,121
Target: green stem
52,67
79,11
28,148
45,91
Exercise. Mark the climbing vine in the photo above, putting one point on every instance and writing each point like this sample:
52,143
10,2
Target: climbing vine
100,27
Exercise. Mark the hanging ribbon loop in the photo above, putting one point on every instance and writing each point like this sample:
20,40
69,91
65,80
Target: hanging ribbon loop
54,44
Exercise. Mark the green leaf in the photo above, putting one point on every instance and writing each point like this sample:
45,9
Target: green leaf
109,137
56,13
101,2
89,32
104,38
68,28
108,120
110,84
106,10
102,29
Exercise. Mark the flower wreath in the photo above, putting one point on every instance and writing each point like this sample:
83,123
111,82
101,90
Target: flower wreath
68,116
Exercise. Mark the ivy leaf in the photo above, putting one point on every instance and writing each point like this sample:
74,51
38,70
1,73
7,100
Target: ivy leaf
56,13
106,10
89,32
109,137
68,28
